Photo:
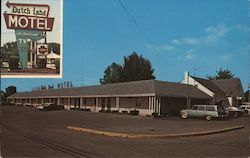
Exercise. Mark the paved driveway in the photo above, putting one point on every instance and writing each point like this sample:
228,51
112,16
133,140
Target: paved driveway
29,132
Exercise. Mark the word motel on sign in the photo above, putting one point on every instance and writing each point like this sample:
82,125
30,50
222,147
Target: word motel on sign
28,22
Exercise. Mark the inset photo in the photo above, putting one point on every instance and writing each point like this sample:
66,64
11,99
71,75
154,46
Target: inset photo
31,38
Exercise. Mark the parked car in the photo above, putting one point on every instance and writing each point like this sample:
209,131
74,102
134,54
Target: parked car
205,111
246,108
49,107
234,111
40,107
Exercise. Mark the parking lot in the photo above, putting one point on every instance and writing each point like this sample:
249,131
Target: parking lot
30,132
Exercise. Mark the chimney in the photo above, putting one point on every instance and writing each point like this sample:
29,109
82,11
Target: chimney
186,77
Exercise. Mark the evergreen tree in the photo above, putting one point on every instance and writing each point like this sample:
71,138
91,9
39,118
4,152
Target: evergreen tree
221,74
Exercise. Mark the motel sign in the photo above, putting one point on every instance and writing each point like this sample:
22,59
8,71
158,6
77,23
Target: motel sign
28,17
29,21
21,22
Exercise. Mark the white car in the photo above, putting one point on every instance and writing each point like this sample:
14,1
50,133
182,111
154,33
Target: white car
206,111
246,108
41,107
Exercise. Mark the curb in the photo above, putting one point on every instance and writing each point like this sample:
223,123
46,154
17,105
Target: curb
143,136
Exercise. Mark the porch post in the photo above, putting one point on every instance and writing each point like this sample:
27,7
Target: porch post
96,104
69,103
80,102
154,104
117,103
149,105
159,105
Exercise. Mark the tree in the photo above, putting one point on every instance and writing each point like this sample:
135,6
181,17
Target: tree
55,47
10,90
112,74
134,68
221,74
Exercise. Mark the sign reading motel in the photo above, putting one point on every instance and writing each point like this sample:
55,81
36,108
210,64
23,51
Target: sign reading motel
33,38
28,17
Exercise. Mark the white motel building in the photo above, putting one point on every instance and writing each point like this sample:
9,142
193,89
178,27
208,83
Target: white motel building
146,96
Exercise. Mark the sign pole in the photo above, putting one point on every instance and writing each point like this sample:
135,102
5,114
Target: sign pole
31,54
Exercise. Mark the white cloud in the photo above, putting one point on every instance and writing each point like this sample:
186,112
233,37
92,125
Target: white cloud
186,41
161,48
215,33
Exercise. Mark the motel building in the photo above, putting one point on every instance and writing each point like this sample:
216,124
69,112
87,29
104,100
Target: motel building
146,96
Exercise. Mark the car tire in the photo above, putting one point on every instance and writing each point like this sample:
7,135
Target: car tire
208,118
184,115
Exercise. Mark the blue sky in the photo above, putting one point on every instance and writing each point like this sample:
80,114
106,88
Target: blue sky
176,36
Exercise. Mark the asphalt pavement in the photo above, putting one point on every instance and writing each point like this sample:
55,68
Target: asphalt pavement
27,132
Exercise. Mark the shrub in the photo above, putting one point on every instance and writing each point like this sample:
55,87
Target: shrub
108,111
115,111
154,114
134,112
13,62
125,112
87,109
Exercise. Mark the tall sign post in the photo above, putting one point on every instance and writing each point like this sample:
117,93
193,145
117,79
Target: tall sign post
29,21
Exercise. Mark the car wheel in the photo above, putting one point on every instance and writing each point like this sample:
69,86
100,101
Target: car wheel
208,118
184,115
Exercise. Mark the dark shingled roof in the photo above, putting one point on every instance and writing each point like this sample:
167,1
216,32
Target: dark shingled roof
211,86
230,86
172,89
159,88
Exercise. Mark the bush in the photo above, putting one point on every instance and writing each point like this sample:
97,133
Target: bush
108,111
125,112
154,114
41,63
134,112
115,111
13,62
87,109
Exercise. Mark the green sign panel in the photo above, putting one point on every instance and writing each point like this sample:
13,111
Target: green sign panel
22,37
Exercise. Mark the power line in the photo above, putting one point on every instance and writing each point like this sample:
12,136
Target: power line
133,20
